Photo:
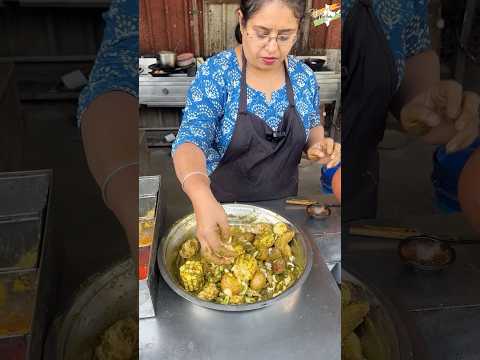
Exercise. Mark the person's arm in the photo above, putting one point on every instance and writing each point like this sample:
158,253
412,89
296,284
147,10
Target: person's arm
204,107
108,128
319,148
422,71
108,115
438,110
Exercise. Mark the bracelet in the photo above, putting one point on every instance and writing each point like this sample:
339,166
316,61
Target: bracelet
191,174
111,175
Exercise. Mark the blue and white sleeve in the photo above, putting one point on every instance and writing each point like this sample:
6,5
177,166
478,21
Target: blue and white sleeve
417,32
203,110
116,64
315,117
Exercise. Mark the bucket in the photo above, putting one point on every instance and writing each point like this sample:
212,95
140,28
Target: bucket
445,175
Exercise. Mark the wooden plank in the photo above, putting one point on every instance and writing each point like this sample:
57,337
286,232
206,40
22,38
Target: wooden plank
230,24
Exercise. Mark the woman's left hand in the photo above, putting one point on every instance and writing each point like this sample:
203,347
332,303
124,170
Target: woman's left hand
326,152
445,114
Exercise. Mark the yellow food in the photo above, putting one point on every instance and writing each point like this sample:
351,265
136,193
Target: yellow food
264,240
280,228
209,292
230,284
245,267
360,338
189,248
371,342
351,348
258,281
257,272
191,274
346,293
119,342
352,316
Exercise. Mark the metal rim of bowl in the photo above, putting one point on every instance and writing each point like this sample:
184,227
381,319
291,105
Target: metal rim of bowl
88,290
243,307
400,341
424,267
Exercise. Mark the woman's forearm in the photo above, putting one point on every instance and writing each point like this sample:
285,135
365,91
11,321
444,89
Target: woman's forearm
109,134
189,159
422,71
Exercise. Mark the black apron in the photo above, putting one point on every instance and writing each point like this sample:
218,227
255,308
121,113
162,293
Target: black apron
260,163
368,84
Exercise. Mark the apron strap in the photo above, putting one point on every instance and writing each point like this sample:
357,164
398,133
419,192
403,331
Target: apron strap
367,3
243,86
288,83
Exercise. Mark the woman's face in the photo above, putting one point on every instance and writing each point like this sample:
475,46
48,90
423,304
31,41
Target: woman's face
274,19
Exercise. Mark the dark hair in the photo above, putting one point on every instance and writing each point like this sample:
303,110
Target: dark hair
250,7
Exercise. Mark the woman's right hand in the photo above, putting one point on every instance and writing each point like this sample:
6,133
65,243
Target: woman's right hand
213,230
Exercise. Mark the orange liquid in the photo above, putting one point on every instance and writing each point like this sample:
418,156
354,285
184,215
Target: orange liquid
143,261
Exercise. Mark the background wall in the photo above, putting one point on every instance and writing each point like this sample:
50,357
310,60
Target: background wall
206,26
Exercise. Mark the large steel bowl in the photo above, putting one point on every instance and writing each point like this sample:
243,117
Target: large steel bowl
238,214
105,299
385,319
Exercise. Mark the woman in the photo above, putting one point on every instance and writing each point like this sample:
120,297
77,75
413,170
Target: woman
387,65
249,115
108,114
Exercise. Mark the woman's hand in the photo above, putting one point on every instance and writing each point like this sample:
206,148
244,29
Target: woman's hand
445,114
325,151
212,229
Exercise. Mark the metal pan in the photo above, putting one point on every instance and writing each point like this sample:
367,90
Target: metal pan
386,320
238,214
105,299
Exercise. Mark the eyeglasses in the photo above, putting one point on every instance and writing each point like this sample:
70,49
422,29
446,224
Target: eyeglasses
263,39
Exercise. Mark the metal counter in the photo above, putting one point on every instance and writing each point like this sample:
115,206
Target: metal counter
441,310
305,325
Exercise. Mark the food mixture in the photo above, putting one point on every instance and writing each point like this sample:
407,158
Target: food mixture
146,226
361,339
264,266
119,342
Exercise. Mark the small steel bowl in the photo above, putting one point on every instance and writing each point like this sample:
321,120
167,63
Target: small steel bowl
425,252
238,214
319,212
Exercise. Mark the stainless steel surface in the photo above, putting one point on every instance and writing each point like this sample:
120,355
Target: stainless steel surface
385,318
238,214
304,325
427,302
25,200
146,308
23,192
167,59
107,298
20,240
47,280
310,317
171,92
325,233
149,199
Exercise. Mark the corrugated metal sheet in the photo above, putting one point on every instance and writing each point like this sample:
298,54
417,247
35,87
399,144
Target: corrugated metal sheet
168,25
220,20
207,26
